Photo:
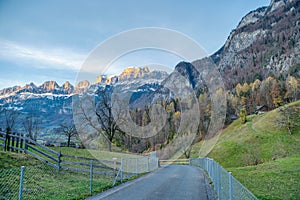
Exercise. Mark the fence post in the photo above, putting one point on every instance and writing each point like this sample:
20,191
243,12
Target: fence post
5,141
8,142
21,143
122,168
59,160
136,166
26,145
230,185
21,183
17,142
148,160
219,182
91,177
115,165
12,141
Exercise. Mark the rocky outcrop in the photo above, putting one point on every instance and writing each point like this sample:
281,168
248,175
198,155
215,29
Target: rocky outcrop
252,17
266,42
49,86
104,79
9,90
275,4
68,88
83,84
136,73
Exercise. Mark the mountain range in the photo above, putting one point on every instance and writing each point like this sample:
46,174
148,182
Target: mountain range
265,43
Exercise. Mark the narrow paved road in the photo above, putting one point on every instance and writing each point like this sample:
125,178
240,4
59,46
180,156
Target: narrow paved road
170,183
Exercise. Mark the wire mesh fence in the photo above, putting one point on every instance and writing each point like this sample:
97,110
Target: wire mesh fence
131,167
45,182
225,185
9,183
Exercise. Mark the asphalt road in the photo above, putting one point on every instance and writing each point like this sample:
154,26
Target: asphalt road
174,182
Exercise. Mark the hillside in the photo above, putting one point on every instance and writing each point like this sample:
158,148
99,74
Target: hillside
266,42
257,141
265,158
16,160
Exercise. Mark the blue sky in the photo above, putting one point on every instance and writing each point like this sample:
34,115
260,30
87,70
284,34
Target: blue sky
49,40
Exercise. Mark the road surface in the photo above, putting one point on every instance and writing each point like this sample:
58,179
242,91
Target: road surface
174,182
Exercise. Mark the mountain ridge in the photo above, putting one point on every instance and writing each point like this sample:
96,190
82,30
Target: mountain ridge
128,74
265,42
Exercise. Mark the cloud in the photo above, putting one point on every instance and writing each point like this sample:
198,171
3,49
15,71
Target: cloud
54,57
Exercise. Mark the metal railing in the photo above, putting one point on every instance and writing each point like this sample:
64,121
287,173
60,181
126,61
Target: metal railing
225,185
131,167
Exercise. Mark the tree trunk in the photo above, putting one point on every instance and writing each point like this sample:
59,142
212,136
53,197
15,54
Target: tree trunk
109,146
289,129
69,140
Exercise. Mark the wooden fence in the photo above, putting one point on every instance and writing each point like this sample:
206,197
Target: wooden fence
20,144
12,142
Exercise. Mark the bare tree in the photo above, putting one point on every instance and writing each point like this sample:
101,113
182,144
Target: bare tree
69,131
31,126
11,116
101,115
107,119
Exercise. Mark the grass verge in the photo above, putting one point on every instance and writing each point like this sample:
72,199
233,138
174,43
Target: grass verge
277,179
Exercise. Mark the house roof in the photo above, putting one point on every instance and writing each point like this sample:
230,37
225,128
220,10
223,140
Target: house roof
260,107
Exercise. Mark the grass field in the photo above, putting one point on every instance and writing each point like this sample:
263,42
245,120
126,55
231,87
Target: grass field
44,182
262,156
277,179
16,160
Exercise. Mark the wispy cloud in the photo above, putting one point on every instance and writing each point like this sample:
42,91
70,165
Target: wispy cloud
54,57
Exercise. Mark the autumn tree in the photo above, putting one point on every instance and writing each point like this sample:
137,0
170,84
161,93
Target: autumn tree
205,113
243,116
289,118
265,94
275,93
292,87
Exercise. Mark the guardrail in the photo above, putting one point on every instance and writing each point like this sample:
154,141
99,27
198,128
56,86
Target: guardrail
225,185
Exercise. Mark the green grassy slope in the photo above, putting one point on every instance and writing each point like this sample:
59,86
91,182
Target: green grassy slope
60,185
257,141
279,179
265,158
15,160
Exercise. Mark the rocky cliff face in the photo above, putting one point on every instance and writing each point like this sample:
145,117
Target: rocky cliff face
50,87
68,88
135,73
266,42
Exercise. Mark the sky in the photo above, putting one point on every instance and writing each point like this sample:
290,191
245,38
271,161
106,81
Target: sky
51,39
